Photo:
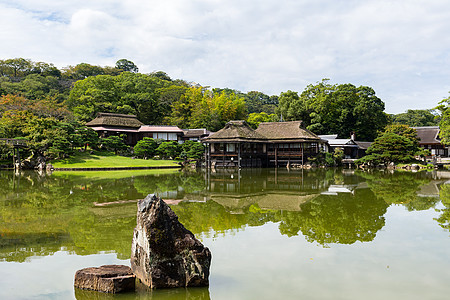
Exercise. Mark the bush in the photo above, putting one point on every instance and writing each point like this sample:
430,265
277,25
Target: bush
145,148
169,150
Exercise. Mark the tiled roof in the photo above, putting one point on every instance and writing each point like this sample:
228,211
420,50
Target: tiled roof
160,128
428,134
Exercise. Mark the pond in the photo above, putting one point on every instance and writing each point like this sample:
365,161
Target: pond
273,234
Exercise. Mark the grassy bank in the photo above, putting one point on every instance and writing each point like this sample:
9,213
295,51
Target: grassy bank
108,160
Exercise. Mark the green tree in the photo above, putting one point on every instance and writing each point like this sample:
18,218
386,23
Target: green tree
444,123
254,119
169,150
192,150
114,143
126,65
82,71
145,148
335,109
416,118
390,147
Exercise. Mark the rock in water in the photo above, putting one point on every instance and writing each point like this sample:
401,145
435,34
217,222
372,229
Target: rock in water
164,254
108,279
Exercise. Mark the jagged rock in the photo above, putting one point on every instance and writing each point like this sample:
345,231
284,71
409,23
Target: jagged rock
164,254
108,279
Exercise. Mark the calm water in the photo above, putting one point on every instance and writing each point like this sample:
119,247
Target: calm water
274,234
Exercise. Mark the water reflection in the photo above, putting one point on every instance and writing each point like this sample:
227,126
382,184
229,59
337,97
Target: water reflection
86,213
143,293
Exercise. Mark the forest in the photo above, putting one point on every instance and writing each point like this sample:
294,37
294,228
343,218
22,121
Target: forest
48,106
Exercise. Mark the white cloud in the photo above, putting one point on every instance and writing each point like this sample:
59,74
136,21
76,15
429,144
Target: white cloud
400,48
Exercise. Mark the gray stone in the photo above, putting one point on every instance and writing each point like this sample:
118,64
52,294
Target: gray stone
108,279
164,254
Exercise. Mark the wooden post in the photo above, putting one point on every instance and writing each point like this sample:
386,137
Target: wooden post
239,155
276,156
303,153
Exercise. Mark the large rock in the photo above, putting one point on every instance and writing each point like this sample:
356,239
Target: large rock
164,254
108,279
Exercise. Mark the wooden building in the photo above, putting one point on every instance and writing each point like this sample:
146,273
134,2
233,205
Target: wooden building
271,144
429,139
108,124
162,132
195,134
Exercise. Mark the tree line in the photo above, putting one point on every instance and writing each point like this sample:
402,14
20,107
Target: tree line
33,91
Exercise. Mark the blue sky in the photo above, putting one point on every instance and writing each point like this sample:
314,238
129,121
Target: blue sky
399,48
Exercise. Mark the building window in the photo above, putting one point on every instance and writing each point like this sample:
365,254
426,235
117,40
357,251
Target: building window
172,136
231,147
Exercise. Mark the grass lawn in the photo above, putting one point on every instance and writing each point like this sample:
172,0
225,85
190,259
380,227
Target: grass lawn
108,160
73,175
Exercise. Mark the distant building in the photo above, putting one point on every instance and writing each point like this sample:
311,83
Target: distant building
429,139
108,124
271,144
352,149
195,134
167,133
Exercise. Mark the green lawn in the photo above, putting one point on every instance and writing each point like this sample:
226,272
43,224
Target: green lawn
108,160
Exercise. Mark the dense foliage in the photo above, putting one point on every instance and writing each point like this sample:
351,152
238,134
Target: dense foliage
397,144
444,123
336,109
416,118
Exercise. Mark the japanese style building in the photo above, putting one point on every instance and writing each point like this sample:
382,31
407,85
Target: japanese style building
429,139
271,144
108,124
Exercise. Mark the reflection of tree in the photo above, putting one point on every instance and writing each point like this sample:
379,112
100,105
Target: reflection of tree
39,215
342,219
395,188
422,203
444,219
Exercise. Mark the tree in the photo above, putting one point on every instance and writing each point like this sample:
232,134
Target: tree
335,109
254,119
114,143
398,144
127,65
145,148
82,71
169,150
192,150
416,118
258,102
444,123
199,107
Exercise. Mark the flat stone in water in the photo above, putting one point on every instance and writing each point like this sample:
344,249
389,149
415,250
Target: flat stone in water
107,279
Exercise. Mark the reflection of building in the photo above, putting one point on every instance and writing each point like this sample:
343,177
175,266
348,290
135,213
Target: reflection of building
268,189
429,139
271,144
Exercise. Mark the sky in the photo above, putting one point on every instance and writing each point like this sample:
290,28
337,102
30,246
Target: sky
400,48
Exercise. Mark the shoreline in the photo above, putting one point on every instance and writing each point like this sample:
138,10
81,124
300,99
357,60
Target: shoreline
116,168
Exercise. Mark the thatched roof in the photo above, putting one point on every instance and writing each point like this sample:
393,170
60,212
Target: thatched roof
428,134
285,131
115,120
235,131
